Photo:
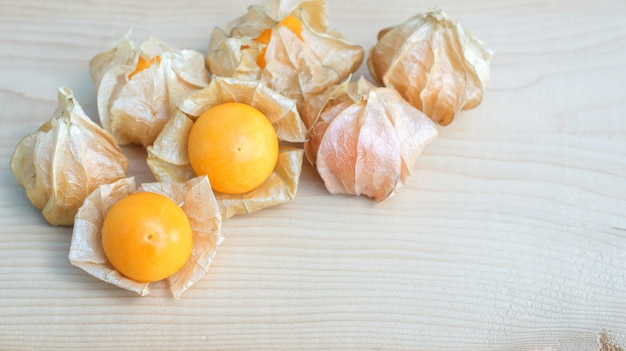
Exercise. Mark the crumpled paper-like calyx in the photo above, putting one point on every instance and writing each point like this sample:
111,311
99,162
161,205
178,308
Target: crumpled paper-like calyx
67,158
133,104
169,161
196,199
297,68
434,63
366,140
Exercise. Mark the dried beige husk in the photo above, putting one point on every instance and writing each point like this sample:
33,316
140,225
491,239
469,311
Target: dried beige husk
297,68
169,161
67,158
134,106
195,198
365,140
434,63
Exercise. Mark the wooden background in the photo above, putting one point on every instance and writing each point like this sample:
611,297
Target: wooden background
510,235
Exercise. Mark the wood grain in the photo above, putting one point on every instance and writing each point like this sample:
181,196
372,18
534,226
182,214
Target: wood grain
510,234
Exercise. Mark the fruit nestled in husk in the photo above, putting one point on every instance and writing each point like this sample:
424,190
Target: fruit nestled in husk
67,158
168,158
433,63
194,197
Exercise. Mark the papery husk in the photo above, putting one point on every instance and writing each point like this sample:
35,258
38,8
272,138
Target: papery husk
366,140
122,53
168,159
433,63
298,69
135,109
195,198
65,159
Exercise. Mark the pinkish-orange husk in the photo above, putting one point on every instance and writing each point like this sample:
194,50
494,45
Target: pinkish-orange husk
366,140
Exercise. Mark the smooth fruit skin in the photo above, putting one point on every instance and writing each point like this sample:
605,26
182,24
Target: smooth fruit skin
147,237
235,145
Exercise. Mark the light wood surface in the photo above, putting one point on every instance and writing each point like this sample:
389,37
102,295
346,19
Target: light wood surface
510,235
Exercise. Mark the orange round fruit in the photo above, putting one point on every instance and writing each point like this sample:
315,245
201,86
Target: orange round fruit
142,64
235,145
147,237
292,23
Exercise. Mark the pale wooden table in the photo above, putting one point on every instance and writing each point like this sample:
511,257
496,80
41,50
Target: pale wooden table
511,234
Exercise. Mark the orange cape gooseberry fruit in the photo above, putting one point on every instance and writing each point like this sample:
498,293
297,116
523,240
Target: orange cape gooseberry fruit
235,145
292,23
142,64
147,237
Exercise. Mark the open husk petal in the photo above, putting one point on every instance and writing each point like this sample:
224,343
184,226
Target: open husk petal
168,159
433,63
134,106
279,188
298,69
366,140
195,198
67,158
